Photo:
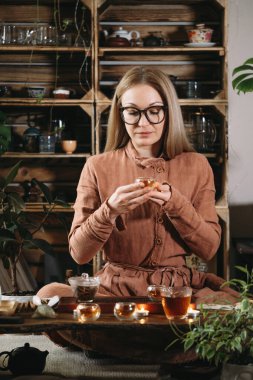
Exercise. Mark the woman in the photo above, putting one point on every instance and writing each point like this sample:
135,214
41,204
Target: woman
145,233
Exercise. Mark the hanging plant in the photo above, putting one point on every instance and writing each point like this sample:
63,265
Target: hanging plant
16,230
244,81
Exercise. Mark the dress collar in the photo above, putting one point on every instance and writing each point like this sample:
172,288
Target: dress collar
144,161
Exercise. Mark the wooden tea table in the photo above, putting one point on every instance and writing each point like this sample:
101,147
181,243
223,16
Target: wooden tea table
143,339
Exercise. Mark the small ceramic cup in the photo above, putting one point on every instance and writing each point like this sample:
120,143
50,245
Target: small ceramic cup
69,146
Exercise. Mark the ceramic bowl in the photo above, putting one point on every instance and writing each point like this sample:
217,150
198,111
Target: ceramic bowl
36,92
69,146
61,93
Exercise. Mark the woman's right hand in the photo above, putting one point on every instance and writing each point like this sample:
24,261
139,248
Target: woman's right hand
128,197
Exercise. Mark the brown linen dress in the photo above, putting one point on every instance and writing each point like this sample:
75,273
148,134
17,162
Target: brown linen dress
148,245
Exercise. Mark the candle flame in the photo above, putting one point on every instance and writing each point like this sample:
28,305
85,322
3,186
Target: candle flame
141,307
192,306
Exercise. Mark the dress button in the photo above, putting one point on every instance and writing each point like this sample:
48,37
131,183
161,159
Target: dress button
158,241
160,220
153,263
159,169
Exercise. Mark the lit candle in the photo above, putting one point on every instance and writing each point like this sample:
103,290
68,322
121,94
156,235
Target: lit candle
192,313
141,313
76,314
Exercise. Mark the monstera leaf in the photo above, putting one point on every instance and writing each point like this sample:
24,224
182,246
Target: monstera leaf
243,82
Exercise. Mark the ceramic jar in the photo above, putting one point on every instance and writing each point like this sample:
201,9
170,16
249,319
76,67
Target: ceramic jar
200,34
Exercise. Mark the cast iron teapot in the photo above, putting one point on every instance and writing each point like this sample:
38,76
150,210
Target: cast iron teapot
24,360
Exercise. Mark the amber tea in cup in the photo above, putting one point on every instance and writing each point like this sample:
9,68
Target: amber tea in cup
88,311
148,181
124,311
175,301
84,287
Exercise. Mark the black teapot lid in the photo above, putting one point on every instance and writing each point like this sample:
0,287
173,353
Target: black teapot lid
26,349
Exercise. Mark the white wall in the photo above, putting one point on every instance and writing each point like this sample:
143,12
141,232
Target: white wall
240,121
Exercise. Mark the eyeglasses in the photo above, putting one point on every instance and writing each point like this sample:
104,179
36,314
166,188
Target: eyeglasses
132,115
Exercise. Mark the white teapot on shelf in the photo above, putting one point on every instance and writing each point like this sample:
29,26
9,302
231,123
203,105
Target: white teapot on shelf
120,32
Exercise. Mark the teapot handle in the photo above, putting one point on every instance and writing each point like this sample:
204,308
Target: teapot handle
7,354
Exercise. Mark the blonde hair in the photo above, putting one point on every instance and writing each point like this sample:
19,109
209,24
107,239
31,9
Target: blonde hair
174,138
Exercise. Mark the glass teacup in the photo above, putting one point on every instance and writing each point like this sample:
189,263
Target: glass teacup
148,181
85,288
125,311
155,292
88,311
175,301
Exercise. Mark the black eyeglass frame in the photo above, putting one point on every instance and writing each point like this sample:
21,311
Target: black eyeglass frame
144,110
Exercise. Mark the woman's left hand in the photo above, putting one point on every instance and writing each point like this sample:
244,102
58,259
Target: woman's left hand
162,194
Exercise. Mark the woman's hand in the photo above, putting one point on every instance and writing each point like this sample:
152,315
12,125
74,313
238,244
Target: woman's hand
127,198
161,195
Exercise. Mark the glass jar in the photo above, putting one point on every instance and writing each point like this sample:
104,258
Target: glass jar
47,144
205,130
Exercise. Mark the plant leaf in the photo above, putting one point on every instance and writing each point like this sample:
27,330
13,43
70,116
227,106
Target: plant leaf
239,79
245,86
249,61
243,82
242,68
16,202
6,235
6,262
62,203
12,173
43,245
45,190
188,344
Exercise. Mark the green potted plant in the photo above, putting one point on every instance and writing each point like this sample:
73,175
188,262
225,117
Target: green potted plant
243,81
225,338
16,230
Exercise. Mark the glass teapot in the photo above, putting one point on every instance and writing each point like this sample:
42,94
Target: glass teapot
204,130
